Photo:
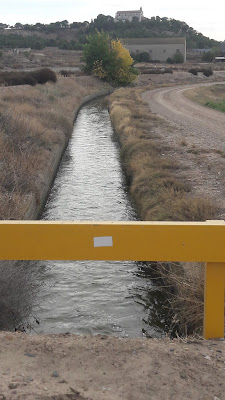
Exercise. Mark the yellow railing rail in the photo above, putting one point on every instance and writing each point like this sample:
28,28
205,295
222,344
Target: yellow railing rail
137,241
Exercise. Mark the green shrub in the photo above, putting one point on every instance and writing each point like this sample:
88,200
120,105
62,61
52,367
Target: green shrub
177,58
170,60
220,106
208,56
141,57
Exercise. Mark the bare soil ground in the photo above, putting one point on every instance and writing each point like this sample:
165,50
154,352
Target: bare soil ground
100,367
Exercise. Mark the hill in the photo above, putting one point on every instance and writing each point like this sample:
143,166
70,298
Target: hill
153,27
73,36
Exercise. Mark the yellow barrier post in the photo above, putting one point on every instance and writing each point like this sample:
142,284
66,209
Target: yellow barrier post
214,300
136,241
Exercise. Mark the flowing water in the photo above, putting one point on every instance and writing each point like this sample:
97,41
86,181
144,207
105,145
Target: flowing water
95,297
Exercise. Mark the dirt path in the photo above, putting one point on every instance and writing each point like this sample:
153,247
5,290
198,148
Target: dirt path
107,368
196,139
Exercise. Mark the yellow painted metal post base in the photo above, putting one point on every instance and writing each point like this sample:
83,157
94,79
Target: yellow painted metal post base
214,300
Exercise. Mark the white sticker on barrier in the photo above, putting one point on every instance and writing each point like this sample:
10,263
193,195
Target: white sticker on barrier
103,241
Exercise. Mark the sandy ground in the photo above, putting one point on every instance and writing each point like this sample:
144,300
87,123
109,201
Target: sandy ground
100,367
193,136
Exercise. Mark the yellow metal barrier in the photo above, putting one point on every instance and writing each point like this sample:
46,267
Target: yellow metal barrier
137,241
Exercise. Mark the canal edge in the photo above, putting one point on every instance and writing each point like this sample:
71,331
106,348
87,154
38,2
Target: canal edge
35,208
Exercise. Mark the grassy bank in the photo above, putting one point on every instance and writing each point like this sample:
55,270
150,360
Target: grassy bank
211,96
219,106
35,125
157,189
160,192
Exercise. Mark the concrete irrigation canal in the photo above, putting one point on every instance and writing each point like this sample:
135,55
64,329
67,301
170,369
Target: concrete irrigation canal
95,297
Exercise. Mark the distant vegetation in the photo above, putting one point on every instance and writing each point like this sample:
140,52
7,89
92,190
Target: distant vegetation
35,42
40,76
209,56
206,71
73,36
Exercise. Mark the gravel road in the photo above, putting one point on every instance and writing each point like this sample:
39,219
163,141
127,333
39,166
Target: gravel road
195,137
204,125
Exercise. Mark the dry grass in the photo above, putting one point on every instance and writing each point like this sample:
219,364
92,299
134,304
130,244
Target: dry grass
184,286
161,193
158,191
202,95
34,124
19,286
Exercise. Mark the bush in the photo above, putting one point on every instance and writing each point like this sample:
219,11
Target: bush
141,57
157,71
65,73
45,75
27,78
144,57
177,58
170,60
193,71
207,71
208,56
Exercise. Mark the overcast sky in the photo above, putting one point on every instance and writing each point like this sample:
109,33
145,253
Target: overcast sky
207,19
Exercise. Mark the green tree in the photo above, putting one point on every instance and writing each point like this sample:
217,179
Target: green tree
209,56
108,59
18,25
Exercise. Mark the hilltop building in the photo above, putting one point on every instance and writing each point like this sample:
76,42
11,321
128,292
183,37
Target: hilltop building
159,49
129,15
